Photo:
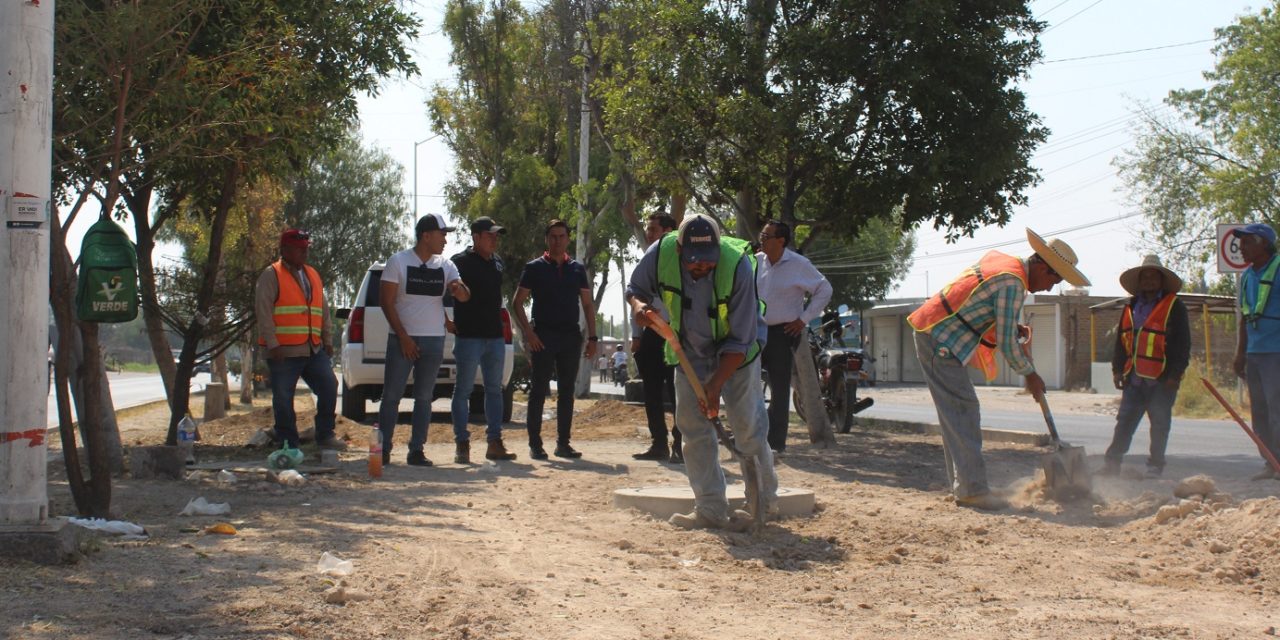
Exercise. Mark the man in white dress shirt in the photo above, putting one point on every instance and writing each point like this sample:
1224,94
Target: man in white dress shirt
783,280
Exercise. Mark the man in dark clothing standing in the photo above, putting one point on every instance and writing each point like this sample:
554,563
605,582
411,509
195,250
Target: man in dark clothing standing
657,376
557,284
1153,347
479,341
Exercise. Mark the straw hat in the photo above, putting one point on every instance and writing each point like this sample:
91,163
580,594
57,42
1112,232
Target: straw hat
1059,256
1129,279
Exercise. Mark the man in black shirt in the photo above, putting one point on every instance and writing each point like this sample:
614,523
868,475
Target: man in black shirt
557,283
657,376
479,340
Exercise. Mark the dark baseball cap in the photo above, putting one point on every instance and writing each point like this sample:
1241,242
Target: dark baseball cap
699,239
1256,229
485,223
295,238
432,222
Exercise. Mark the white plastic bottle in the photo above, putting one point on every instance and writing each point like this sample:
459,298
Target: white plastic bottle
187,438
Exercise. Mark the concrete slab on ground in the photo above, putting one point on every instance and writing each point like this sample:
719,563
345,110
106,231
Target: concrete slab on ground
54,542
663,501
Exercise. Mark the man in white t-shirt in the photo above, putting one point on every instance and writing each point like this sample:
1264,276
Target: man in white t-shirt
412,291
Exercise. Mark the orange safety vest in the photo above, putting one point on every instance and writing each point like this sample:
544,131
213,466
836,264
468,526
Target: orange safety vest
297,319
1149,356
947,302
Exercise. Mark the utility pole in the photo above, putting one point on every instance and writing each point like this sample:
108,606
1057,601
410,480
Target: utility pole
26,139
583,384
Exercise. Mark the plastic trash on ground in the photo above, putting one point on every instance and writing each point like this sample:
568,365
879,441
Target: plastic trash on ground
226,477
285,458
221,528
291,478
489,466
331,565
201,507
126,530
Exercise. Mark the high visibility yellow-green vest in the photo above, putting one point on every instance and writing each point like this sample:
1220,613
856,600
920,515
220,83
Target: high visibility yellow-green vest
671,286
1265,281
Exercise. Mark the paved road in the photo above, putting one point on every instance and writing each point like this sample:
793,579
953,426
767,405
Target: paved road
131,390
1188,437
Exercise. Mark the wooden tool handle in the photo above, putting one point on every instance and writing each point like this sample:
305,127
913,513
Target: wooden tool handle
1266,452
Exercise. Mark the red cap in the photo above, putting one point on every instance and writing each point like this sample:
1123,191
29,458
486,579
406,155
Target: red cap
295,238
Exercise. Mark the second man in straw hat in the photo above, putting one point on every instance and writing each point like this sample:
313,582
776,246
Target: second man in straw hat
1153,346
965,324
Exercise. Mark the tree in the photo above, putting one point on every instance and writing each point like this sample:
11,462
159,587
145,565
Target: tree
349,198
862,269
827,114
1215,159
175,106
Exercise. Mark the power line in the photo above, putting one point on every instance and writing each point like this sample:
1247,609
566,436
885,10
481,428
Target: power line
1070,17
1122,53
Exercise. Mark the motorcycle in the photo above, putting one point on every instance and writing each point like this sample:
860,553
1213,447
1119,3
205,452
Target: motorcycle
620,375
840,372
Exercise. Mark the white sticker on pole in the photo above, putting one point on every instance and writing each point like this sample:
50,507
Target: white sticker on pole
1230,260
26,210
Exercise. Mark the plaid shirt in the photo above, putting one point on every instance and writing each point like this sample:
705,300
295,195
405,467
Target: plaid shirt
997,300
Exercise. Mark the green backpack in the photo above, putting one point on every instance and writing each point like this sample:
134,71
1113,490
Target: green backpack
107,289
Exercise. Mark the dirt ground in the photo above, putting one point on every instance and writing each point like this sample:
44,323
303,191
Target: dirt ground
536,550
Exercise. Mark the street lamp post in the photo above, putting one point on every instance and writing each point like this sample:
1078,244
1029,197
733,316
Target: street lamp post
415,172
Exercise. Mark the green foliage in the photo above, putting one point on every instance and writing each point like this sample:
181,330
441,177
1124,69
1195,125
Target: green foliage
1194,400
511,119
862,269
827,114
349,198
1215,159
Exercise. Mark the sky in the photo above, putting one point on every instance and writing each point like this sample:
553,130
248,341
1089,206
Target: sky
1088,104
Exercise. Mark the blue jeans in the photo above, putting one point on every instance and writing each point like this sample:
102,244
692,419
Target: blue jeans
488,353
317,371
958,415
743,401
1264,397
1156,401
425,370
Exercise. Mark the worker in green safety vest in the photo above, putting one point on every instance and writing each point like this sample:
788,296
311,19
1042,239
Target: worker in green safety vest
707,284
1258,343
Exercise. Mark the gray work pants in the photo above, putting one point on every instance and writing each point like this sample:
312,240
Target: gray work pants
958,414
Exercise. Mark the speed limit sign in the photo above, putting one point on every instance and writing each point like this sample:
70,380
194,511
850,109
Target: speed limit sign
1229,258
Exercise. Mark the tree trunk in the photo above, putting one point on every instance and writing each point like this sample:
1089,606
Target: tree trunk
148,291
107,415
246,370
180,399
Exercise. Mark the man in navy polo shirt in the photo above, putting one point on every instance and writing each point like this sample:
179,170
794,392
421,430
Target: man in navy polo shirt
558,284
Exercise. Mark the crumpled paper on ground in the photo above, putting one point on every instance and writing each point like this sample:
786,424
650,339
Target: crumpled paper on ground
126,530
201,507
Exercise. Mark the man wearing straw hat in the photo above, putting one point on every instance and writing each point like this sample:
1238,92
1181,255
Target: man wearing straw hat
965,324
1153,346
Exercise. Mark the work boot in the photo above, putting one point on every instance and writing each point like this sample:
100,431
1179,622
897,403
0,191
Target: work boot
738,521
386,457
984,501
566,451
537,452
1110,468
654,452
497,451
462,452
417,459
677,455
332,443
1154,472
1267,473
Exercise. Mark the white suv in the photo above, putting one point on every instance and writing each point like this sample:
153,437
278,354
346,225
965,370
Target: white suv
364,352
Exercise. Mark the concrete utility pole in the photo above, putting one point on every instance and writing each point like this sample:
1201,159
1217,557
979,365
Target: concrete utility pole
26,136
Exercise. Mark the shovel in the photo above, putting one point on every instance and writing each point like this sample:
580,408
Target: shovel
1066,476
1266,452
750,468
